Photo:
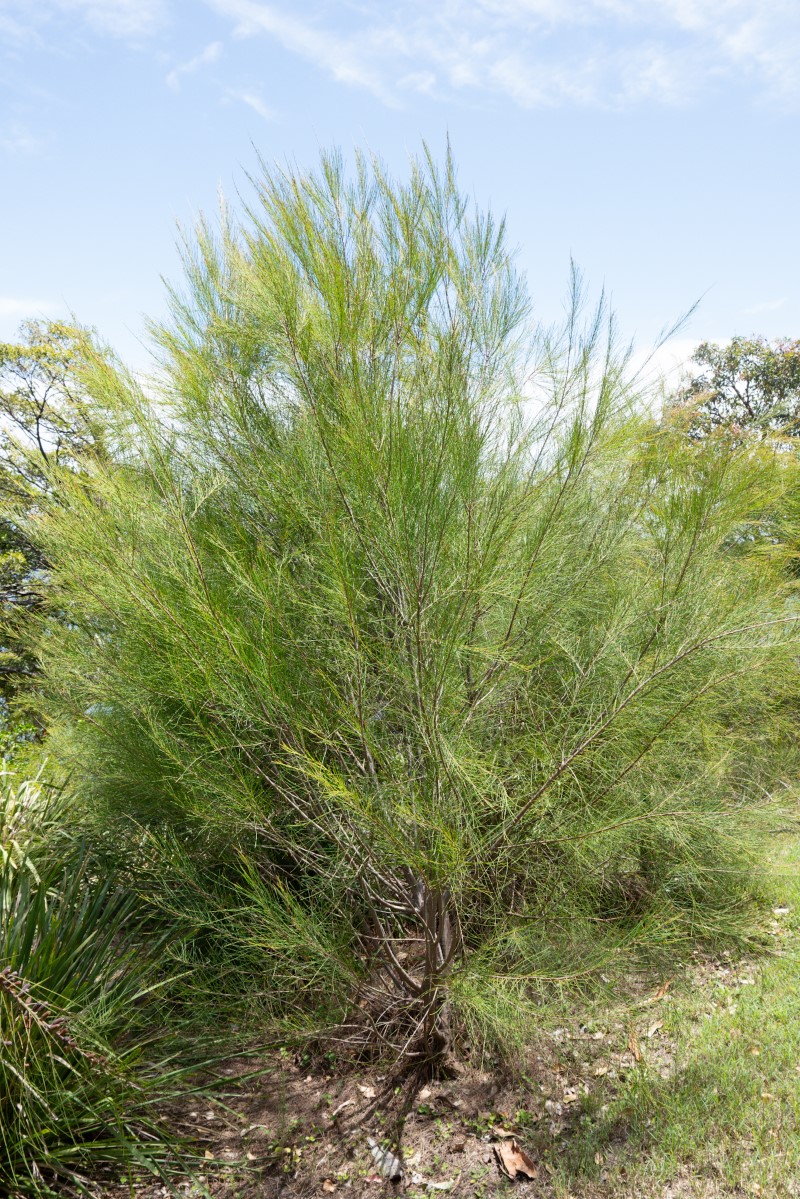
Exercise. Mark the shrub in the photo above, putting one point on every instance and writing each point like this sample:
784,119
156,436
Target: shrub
447,664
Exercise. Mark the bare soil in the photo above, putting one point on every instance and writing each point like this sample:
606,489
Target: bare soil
282,1127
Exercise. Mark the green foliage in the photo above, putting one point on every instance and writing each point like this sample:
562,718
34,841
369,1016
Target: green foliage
45,422
748,384
47,419
454,679
74,986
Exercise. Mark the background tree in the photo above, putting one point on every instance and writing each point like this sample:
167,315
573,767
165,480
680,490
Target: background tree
46,424
746,384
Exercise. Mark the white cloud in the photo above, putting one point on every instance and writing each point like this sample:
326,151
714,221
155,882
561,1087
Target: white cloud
346,58
254,101
210,54
118,18
536,53
668,363
12,30
18,139
765,306
13,308
539,52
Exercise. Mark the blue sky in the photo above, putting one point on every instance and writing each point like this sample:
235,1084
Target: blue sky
655,141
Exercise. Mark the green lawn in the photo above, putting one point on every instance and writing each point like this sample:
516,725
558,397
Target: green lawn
717,1112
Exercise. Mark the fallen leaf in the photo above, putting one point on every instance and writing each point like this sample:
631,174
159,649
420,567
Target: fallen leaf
208,1155
425,1093
501,1134
328,1186
514,1161
653,1029
440,1186
633,1045
662,990
550,1169
767,1096
599,1071
367,1092
598,1158
459,1146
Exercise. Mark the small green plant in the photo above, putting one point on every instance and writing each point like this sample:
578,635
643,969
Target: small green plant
75,1098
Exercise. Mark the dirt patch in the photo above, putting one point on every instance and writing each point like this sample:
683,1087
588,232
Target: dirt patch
281,1127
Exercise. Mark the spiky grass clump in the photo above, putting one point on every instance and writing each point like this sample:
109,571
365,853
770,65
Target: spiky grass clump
75,1098
462,676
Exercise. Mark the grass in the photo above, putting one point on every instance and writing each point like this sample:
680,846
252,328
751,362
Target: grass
722,1117
84,1066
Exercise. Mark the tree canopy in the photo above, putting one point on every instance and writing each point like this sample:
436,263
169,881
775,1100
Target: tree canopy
747,383
46,424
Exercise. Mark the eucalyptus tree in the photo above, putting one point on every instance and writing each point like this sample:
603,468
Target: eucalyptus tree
46,423
405,622
745,385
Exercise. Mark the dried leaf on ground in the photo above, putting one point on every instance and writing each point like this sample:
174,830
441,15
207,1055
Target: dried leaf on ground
514,1161
633,1045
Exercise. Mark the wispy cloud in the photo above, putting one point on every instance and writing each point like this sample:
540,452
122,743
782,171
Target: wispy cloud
210,54
540,52
120,18
254,101
765,306
668,365
18,139
346,57
131,19
14,308
12,31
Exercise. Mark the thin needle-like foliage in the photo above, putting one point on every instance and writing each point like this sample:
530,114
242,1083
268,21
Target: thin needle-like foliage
419,645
